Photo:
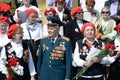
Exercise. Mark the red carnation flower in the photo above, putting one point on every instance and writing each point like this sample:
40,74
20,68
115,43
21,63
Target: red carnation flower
13,61
109,46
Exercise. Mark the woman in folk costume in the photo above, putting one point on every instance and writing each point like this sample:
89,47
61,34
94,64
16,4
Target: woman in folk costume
32,26
105,26
95,70
16,59
33,30
4,25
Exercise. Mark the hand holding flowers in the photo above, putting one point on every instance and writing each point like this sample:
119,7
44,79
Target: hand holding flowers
13,68
96,58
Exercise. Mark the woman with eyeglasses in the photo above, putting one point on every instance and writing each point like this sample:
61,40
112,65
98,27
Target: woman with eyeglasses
90,14
84,52
105,29
16,60
105,26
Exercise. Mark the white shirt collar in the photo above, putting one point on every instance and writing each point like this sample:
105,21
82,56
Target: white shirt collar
80,21
86,39
55,38
17,48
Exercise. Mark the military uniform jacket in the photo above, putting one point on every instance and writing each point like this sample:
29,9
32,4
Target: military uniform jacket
54,62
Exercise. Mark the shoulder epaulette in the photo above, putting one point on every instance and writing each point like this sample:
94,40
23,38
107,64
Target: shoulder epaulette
65,38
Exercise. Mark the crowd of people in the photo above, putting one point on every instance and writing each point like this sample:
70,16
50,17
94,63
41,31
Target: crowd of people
69,41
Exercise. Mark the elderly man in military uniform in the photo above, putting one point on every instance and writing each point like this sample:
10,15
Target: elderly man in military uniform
55,54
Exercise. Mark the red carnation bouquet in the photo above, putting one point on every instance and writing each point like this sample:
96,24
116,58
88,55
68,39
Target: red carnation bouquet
14,68
109,48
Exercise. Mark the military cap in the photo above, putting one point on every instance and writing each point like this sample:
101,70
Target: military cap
54,21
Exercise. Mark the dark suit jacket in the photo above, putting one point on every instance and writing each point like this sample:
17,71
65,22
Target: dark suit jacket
72,33
66,18
67,12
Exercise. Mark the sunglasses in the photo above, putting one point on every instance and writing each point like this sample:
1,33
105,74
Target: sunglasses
103,12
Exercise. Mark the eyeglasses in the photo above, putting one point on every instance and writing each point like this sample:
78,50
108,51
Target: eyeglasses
103,12
80,12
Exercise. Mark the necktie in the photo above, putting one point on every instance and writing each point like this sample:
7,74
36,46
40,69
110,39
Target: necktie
52,41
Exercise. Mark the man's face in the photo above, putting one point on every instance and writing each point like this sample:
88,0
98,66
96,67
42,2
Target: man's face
90,6
53,31
60,6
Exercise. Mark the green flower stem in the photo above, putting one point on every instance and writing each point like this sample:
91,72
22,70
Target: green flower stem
100,55
80,73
